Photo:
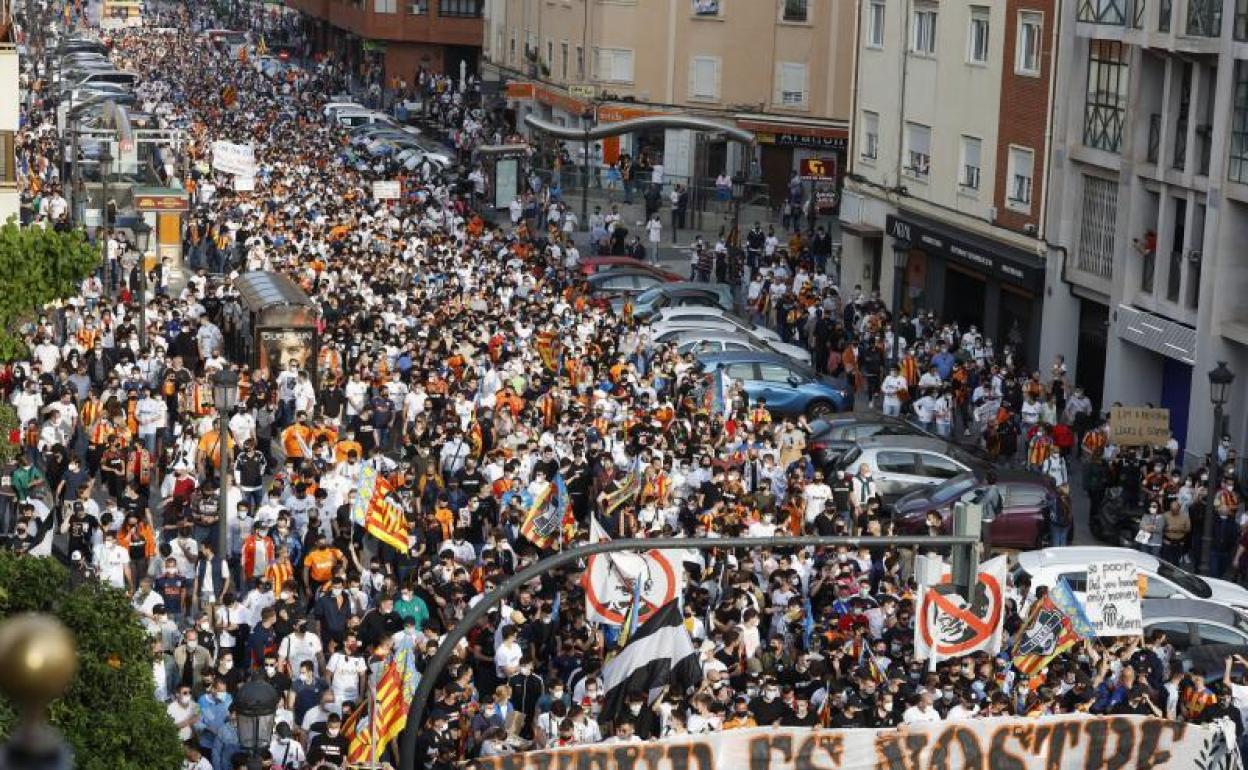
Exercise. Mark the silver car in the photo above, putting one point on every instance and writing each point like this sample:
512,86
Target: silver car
1192,622
901,464
698,341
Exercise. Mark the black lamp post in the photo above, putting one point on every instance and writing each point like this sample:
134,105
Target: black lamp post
142,240
901,258
255,706
587,124
224,395
106,167
1220,379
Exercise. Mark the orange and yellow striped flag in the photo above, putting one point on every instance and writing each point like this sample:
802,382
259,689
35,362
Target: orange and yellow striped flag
388,719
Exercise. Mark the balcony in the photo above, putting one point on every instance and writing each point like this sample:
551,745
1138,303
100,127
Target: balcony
1204,18
1154,138
461,9
1118,13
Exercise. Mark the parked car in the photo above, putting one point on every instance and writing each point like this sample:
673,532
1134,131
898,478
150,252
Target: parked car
1027,498
613,287
1164,580
331,109
704,341
902,464
591,265
1190,623
681,293
833,437
789,388
696,317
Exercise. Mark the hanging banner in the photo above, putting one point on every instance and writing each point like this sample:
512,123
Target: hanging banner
1112,599
230,158
949,626
1048,743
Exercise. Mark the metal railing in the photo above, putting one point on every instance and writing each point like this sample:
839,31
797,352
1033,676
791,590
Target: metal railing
1103,12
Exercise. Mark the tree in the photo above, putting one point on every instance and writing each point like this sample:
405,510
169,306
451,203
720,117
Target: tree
109,714
38,265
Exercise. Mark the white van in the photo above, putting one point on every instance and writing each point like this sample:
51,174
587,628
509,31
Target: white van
361,117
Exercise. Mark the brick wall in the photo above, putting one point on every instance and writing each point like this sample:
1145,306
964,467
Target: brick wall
1024,112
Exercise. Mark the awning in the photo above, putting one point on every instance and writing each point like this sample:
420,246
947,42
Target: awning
1000,260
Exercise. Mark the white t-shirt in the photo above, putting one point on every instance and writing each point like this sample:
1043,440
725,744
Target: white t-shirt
112,562
816,496
345,673
917,715
298,650
507,656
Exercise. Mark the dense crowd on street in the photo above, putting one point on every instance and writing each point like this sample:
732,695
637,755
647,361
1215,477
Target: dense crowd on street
435,374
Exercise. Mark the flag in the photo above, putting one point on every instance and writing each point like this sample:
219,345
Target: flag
629,626
624,494
1072,608
950,622
808,622
660,653
373,510
542,523
720,403
476,438
388,719
229,96
364,495
563,504
548,349
1047,633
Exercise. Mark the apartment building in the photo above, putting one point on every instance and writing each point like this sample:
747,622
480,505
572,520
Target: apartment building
781,68
1149,197
401,36
943,206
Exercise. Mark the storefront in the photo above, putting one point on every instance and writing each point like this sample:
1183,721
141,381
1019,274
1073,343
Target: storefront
969,279
783,146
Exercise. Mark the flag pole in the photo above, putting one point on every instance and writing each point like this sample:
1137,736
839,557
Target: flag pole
372,723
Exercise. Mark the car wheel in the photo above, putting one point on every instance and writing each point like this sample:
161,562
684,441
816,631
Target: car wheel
819,410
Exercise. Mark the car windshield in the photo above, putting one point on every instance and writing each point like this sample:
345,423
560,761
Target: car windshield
1183,579
648,296
953,490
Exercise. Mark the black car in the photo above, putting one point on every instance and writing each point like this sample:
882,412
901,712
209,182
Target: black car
833,436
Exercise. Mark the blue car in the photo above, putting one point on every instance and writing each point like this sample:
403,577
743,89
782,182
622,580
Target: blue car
788,387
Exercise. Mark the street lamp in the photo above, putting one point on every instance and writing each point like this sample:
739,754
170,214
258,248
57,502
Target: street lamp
224,395
901,258
587,124
142,239
106,164
1220,379
255,706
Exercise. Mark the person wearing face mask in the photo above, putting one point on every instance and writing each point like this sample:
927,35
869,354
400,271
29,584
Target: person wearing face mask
527,690
214,711
184,712
191,660
1152,528
287,753
332,745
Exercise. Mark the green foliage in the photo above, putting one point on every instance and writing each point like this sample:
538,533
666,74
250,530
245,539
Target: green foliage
37,266
8,424
109,714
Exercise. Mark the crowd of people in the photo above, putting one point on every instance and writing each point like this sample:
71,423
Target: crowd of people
461,361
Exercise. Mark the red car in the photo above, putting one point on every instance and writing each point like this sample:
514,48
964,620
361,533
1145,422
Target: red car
1023,523
591,265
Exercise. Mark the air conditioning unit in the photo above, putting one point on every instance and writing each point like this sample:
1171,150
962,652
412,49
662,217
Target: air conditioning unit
415,9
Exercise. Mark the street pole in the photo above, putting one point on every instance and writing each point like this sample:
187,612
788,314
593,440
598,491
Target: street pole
223,494
1212,493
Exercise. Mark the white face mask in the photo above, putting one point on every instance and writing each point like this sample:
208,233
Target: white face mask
191,644
184,699
332,732
270,670
634,708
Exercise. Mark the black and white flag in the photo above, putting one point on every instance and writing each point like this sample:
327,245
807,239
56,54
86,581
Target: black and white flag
659,653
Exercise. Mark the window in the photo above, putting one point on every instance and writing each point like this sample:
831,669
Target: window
1024,496
1078,581
704,7
385,6
773,373
875,25
563,59
418,7
870,135
1027,57
1021,161
1204,18
977,36
1240,30
1237,169
796,10
790,84
1106,103
1213,634
1178,633
463,8
1099,212
1103,12
580,63
511,48
918,150
615,65
937,467
704,78
969,175
741,372
896,462
550,55
923,39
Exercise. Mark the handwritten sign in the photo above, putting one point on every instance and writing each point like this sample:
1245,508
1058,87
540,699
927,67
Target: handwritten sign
230,158
1112,600
384,190
1139,426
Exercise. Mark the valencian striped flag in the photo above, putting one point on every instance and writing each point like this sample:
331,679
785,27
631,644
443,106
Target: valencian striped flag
389,717
624,494
373,510
1047,633
543,519
548,347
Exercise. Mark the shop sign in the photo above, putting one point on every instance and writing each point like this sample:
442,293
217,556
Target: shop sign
817,169
787,139
145,202
1012,270
582,91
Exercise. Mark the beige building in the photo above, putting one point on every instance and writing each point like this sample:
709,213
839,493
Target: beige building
783,68
9,100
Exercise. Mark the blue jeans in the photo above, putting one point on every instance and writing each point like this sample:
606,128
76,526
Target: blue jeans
1218,562
1059,536
891,410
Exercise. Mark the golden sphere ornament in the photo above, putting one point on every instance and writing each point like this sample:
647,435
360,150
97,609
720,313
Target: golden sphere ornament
37,659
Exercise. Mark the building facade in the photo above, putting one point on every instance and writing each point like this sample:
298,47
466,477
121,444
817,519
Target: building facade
10,98
401,37
781,68
1150,200
943,207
